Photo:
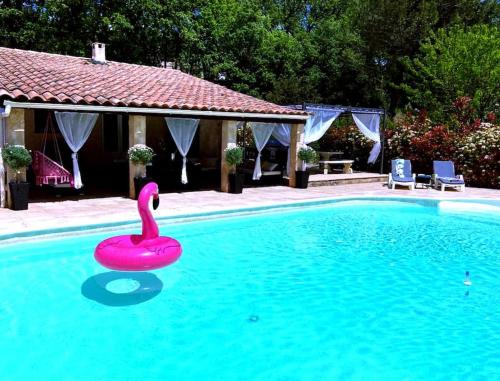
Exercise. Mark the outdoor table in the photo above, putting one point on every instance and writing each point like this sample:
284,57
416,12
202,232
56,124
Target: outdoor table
425,181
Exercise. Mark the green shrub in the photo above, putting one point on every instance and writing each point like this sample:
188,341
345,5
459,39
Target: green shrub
140,154
234,155
16,157
308,155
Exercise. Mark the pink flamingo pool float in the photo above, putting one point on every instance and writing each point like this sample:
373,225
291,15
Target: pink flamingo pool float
147,251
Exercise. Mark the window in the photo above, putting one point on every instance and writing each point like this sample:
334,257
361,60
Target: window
115,132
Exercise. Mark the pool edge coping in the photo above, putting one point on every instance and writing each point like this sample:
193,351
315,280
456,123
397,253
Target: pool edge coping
30,235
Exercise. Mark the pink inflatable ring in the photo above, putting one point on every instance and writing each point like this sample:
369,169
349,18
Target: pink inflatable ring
147,251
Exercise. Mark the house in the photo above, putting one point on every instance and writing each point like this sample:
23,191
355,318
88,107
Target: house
131,103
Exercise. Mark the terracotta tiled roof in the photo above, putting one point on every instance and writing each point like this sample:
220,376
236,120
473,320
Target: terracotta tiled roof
42,77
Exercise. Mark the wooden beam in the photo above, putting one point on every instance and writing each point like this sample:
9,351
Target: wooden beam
296,141
14,133
228,136
136,135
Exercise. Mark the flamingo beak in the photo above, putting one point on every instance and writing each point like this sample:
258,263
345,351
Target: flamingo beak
156,201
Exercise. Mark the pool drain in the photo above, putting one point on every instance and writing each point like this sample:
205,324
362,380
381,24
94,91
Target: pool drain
467,280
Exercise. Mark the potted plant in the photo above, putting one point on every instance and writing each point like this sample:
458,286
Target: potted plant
17,158
140,155
233,157
308,156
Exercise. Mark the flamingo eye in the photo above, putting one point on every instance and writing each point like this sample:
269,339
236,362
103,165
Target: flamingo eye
156,203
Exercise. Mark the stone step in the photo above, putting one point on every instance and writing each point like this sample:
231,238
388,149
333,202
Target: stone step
343,179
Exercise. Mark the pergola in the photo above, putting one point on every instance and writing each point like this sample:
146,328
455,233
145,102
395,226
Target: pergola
377,127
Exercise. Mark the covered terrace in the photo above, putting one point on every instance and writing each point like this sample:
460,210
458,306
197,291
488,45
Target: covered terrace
96,109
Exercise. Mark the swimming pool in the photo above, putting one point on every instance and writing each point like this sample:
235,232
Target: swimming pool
354,290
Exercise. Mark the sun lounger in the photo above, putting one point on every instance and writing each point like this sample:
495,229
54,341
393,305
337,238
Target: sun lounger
401,174
444,176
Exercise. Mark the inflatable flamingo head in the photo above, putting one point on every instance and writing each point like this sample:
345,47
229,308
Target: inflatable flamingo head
149,227
148,191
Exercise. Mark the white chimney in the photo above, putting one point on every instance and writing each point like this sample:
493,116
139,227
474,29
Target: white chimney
98,52
167,64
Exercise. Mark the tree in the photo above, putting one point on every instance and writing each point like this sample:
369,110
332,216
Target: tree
19,24
392,30
454,63
286,51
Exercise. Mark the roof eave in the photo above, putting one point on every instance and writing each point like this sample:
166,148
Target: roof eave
182,113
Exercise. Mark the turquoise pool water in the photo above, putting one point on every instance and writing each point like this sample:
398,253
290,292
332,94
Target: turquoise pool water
358,290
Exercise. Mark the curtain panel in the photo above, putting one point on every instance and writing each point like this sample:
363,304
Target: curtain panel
283,133
318,123
261,134
75,128
369,125
2,168
183,131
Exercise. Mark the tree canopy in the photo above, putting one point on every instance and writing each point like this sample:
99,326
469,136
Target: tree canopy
358,52
456,63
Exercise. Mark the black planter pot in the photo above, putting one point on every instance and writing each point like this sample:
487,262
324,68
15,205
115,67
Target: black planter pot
236,182
301,179
139,183
19,194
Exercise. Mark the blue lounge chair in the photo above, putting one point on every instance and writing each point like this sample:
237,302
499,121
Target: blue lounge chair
444,176
401,174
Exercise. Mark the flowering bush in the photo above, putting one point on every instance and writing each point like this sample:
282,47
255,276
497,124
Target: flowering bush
436,144
474,146
140,154
479,156
349,140
346,139
414,137
465,116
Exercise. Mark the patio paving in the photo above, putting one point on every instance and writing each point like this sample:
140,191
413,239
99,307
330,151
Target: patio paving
54,215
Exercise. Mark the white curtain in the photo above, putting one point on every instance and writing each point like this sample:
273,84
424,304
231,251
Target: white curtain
369,125
318,123
183,131
76,128
261,134
283,132
2,169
